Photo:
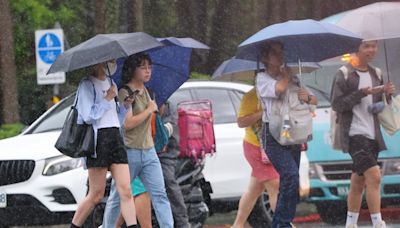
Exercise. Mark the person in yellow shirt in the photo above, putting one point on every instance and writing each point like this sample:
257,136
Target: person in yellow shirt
263,175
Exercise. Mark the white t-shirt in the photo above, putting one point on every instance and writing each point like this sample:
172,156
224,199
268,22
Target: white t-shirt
363,121
265,85
110,117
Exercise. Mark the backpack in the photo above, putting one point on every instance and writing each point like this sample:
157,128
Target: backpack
158,130
196,129
290,122
334,118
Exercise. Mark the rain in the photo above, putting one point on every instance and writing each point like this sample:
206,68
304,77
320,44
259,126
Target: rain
203,47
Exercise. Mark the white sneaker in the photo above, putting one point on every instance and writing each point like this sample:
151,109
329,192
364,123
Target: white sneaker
351,226
382,224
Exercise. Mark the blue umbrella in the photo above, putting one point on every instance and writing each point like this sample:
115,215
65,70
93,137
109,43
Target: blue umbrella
303,40
170,66
243,70
236,70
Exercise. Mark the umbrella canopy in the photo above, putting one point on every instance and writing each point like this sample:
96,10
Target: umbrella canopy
304,40
244,70
101,48
171,66
237,70
376,21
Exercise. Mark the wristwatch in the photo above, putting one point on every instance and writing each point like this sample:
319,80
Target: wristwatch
309,99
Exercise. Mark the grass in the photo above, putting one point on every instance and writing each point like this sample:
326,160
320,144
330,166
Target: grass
199,76
10,130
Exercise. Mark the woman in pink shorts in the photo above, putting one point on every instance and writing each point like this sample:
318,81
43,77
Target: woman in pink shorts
263,175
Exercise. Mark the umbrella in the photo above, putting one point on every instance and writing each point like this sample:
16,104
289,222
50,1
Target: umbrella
243,70
171,65
376,21
304,40
101,48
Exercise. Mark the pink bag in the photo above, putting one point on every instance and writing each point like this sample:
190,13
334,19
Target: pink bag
196,129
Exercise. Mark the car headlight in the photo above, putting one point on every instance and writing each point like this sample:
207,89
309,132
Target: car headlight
312,171
392,167
60,164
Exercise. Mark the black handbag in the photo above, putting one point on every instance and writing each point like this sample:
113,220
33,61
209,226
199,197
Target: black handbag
76,140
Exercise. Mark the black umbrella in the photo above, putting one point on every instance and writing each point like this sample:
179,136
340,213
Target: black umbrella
102,48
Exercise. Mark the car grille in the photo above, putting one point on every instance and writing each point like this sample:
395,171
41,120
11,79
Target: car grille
337,171
15,171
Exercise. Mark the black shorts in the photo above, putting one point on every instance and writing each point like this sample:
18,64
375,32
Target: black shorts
110,149
364,153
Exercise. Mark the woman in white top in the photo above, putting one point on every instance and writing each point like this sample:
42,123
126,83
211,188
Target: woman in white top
96,105
271,85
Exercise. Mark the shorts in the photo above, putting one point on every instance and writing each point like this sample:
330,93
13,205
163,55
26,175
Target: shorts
137,187
261,171
364,153
110,149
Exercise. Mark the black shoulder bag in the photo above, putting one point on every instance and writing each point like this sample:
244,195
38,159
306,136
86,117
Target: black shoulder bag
76,140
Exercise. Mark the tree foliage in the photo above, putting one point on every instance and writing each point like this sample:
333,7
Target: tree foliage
222,24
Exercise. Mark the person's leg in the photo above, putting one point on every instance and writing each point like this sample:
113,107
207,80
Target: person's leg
120,173
112,209
143,205
143,211
97,184
272,187
373,194
286,161
354,198
174,193
247,202
364,153
288,196
153,180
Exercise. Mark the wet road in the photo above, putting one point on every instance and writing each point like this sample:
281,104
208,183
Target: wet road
307,218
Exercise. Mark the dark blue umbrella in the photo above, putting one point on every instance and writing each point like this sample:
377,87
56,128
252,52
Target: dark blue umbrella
304,40
171,66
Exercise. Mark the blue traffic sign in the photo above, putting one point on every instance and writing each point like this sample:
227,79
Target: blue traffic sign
49,48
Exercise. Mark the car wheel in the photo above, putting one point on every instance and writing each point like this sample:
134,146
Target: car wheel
332,212
261,215
95,219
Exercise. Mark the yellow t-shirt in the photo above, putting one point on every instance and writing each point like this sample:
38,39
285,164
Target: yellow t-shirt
250,105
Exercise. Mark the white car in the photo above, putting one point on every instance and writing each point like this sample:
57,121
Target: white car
42,186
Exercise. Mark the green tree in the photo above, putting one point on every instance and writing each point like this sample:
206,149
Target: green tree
76,19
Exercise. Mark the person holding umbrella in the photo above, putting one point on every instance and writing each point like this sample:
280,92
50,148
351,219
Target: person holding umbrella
143,161
271,86
96,106
357,88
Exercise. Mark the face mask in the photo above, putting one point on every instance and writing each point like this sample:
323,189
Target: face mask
112,66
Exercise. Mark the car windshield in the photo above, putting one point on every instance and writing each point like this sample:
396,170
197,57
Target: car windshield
55,119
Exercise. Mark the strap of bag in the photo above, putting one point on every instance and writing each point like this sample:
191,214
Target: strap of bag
127,88
77,93
151,93
378,73
345,72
